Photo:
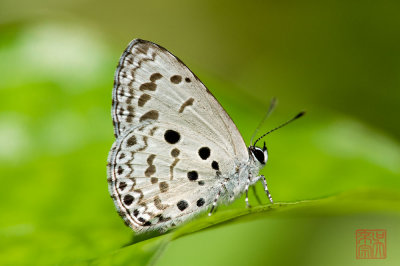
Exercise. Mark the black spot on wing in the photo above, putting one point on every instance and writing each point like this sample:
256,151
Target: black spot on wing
171,136
200,202
182,205
122,185
120,170
204,153
192,175
128,199
215,165
148,223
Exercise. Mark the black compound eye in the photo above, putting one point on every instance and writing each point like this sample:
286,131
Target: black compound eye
259,154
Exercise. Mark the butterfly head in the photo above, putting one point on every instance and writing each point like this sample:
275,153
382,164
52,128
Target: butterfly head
259,154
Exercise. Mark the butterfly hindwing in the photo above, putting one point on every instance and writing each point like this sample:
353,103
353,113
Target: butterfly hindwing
174,184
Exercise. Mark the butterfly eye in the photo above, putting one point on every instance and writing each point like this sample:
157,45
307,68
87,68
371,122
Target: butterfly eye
259,154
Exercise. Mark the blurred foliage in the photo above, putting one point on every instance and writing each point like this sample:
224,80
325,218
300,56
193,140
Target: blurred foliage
339,60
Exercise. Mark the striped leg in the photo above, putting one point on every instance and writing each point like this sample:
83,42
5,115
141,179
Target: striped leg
214,203
266,189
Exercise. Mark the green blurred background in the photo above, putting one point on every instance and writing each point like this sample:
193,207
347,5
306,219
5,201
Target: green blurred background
339,60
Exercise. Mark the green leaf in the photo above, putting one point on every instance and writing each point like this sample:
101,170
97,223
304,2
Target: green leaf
360,201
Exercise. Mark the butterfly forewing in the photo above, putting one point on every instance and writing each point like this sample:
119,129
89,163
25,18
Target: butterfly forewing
175,143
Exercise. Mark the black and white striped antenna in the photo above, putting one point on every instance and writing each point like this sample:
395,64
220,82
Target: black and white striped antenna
284,124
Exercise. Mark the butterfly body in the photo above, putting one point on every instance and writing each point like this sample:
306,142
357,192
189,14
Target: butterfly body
177,152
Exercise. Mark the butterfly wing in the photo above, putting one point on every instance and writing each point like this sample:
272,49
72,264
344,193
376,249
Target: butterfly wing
175,143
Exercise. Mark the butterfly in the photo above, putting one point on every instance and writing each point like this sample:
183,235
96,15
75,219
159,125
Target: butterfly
177,152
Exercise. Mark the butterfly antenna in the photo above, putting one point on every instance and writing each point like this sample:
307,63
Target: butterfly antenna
270,109
284,124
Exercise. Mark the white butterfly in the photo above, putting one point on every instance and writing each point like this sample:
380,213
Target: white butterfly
177,152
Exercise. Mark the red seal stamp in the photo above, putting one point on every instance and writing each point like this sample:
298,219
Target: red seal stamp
371,244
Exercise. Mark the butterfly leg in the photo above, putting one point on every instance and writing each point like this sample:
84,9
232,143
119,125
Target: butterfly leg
214,203
266,189
247,192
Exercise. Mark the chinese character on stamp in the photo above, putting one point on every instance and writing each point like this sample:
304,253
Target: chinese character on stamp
371,244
